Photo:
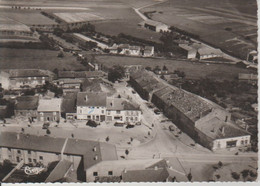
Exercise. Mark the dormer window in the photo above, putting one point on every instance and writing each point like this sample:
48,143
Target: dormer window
95,149
96,157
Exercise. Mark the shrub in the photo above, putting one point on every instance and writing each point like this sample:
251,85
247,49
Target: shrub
235,175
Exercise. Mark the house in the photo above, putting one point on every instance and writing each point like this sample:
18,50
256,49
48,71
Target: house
113,49
91,106
206,53
26,106
148,51
250,78
132,68
121,167
120,110
154,25
69,85
68,106
49,109
127,49
24,78
252,56
82,154
204,121
189,51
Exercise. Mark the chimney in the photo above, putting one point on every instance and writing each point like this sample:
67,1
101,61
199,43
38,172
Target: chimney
18,136
223,131
247,127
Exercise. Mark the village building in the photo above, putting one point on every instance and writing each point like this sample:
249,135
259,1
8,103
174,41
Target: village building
249,78
82,154
24,78
189,51
69,107
121,167
131,69
148,51
206,122
80,75
49,110
207,53
154,25
26,106
69,85
91,106
127,49
120,110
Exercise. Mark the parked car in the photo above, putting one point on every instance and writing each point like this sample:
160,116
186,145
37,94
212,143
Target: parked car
45,125
171,128
157,111
117,124
130,126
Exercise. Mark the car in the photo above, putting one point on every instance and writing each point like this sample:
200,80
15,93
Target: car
157,111
130,126
118,124
45,126
171,128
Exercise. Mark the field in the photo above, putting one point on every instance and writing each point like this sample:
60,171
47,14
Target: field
32,58
229,25
27,17
192,70
78,17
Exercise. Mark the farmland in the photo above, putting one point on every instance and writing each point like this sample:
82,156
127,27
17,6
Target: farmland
191,69
27,17
229,26
32,58
78,17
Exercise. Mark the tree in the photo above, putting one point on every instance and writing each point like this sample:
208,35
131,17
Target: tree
48,132
119,96
72,135
235,175
245,173
220,164
148,68
165,68
117,72
107,138
22,129
126,151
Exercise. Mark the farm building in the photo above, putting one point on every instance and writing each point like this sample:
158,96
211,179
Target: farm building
206,122
154,25
206,53
26,106
83,154
127,49
148,51
250,78
82,39
24,78
189,51
132,68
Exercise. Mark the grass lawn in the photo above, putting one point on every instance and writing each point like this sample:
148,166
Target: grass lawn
193,70
33,58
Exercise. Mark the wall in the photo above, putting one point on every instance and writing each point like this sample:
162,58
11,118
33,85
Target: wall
49,116
222,143
94,113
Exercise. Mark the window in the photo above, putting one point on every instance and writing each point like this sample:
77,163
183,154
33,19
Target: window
41,158
95,173
17,159
110,173
118,111
245,142
102,111
96,157
242,142
9,149
94,149
97,107
89,117
108,112
34,161
18,151
30,160
29,152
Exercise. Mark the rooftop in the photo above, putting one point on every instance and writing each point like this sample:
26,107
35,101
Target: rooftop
244,76
50,105
16,73
69,103
120,104
93,152
91,99
153,23
219,129
147,175
59,171
208,51
27,103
